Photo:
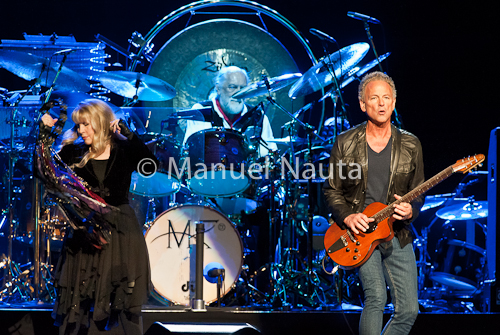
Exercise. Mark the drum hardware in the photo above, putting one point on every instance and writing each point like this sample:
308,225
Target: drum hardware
25,66
152,206
272,275
285,216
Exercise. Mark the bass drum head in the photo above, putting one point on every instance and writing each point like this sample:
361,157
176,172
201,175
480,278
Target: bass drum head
191,59
171,242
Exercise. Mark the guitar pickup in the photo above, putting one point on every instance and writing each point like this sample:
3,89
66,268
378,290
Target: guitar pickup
351,236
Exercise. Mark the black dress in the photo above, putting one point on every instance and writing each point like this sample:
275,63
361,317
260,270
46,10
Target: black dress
102,289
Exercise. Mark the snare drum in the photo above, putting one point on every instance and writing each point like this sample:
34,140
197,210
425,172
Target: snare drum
219,160
171,242
459,265
164,182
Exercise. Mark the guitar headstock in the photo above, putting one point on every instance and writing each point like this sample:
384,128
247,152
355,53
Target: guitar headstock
466,164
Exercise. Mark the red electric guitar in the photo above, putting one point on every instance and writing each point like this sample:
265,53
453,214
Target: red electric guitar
349,250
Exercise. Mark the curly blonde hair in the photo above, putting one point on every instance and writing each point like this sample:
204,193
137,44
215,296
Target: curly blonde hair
99,115
376,75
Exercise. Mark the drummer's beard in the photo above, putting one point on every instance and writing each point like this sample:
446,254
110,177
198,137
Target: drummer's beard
232,106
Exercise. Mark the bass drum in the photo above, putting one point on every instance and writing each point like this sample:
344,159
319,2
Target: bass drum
171,242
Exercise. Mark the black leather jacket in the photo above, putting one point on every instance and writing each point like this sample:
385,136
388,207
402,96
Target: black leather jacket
345,189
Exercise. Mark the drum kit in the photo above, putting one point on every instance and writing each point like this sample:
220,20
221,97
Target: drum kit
238,194
450,249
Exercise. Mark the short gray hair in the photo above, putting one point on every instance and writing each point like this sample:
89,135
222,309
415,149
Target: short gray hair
373,76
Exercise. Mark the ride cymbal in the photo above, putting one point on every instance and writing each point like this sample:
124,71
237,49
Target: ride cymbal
321,74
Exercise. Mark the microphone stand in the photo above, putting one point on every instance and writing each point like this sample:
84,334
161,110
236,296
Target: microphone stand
397,119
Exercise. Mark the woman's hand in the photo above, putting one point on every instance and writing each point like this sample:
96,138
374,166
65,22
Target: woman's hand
115,128
48,120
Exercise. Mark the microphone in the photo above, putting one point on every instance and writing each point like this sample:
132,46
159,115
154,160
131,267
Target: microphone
63,52
215,272
363,17
322,36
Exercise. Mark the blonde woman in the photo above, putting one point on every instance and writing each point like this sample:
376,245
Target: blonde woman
100,290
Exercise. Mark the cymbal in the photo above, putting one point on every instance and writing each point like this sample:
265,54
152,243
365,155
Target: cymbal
149,88
30,67
318,76
260,87
467,211
363,70
354,74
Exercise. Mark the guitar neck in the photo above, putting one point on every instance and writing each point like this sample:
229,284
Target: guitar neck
410,196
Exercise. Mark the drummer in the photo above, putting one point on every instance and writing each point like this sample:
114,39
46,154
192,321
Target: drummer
233,113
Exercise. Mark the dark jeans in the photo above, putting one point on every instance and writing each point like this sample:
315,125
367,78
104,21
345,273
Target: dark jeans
389,265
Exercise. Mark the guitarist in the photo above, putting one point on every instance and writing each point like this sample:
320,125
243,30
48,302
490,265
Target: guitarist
376,162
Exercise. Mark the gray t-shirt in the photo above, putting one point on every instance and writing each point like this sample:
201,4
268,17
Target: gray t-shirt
379,168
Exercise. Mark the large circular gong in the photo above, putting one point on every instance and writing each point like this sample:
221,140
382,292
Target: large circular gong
190,60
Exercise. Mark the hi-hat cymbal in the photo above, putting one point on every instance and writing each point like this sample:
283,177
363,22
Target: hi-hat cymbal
261,87
30,67
135,84
319,75
467,211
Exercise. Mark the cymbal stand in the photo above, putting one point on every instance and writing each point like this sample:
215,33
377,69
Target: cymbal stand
8,279
420,243
310,134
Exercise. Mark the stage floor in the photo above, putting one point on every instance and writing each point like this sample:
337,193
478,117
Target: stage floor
33,319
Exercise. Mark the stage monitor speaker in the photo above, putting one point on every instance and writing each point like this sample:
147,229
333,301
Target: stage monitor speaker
493,234
159,328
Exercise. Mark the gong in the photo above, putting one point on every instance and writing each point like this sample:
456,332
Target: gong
190,60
